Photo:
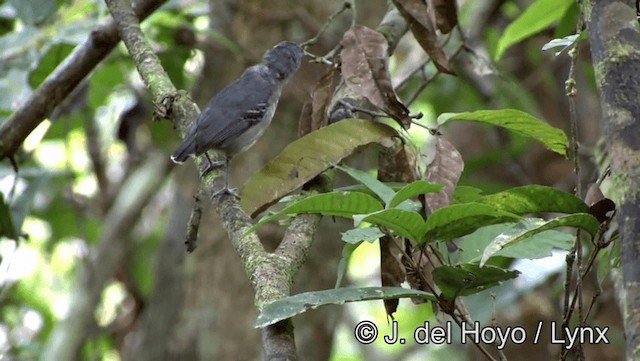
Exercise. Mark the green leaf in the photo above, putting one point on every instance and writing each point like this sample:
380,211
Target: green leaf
467,279
295,305
537,17
460,219
538,246
380,189
341,204
532,227
358,235
108,76
519,122
403,223
414,189
29,293
607,259
535,199
48,62
466,194
307,157
33,12
343,264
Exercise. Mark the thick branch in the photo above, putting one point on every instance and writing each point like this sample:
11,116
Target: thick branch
615,48
63,80
146,61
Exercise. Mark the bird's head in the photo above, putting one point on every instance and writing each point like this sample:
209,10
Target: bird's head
284,59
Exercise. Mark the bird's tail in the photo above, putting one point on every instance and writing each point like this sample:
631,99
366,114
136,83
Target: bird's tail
185,150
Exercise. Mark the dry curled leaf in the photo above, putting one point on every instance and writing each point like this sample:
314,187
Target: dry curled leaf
395,164
416,13
445,168
304,120
445,14
419,270
364,69
391,270
321,98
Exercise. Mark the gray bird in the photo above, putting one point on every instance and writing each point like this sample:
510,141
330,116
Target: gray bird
236,117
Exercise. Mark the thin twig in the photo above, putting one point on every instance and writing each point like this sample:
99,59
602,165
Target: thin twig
458,320
430,79
571,92
345,6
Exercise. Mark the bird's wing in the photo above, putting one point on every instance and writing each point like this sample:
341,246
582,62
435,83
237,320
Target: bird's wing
235,109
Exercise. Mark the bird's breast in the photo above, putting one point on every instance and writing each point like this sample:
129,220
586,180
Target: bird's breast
250,136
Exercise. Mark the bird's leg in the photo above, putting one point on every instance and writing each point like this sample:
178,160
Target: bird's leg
212,165
226,188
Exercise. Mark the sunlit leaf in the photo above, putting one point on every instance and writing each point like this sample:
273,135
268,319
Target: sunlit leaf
538,246
527,229
466,194
307,157
343,264
295,305
535,199
357,235
519,122
342,204
460,219
537,17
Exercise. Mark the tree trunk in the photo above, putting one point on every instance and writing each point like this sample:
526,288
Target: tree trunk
615,47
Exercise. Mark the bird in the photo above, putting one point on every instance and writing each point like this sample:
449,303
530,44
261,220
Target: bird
236,117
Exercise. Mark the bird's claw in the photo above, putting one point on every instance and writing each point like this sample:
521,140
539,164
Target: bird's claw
226,190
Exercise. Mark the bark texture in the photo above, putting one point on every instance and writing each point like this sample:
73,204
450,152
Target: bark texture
615,47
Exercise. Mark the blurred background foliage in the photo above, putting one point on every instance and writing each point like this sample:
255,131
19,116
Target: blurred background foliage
74,165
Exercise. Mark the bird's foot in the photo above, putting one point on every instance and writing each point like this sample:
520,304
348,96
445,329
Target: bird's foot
226,190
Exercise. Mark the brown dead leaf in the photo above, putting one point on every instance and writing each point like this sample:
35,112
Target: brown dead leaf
419,272
321,98
304,120
445,13
395,164
364,69
445,168
416,13
391,270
